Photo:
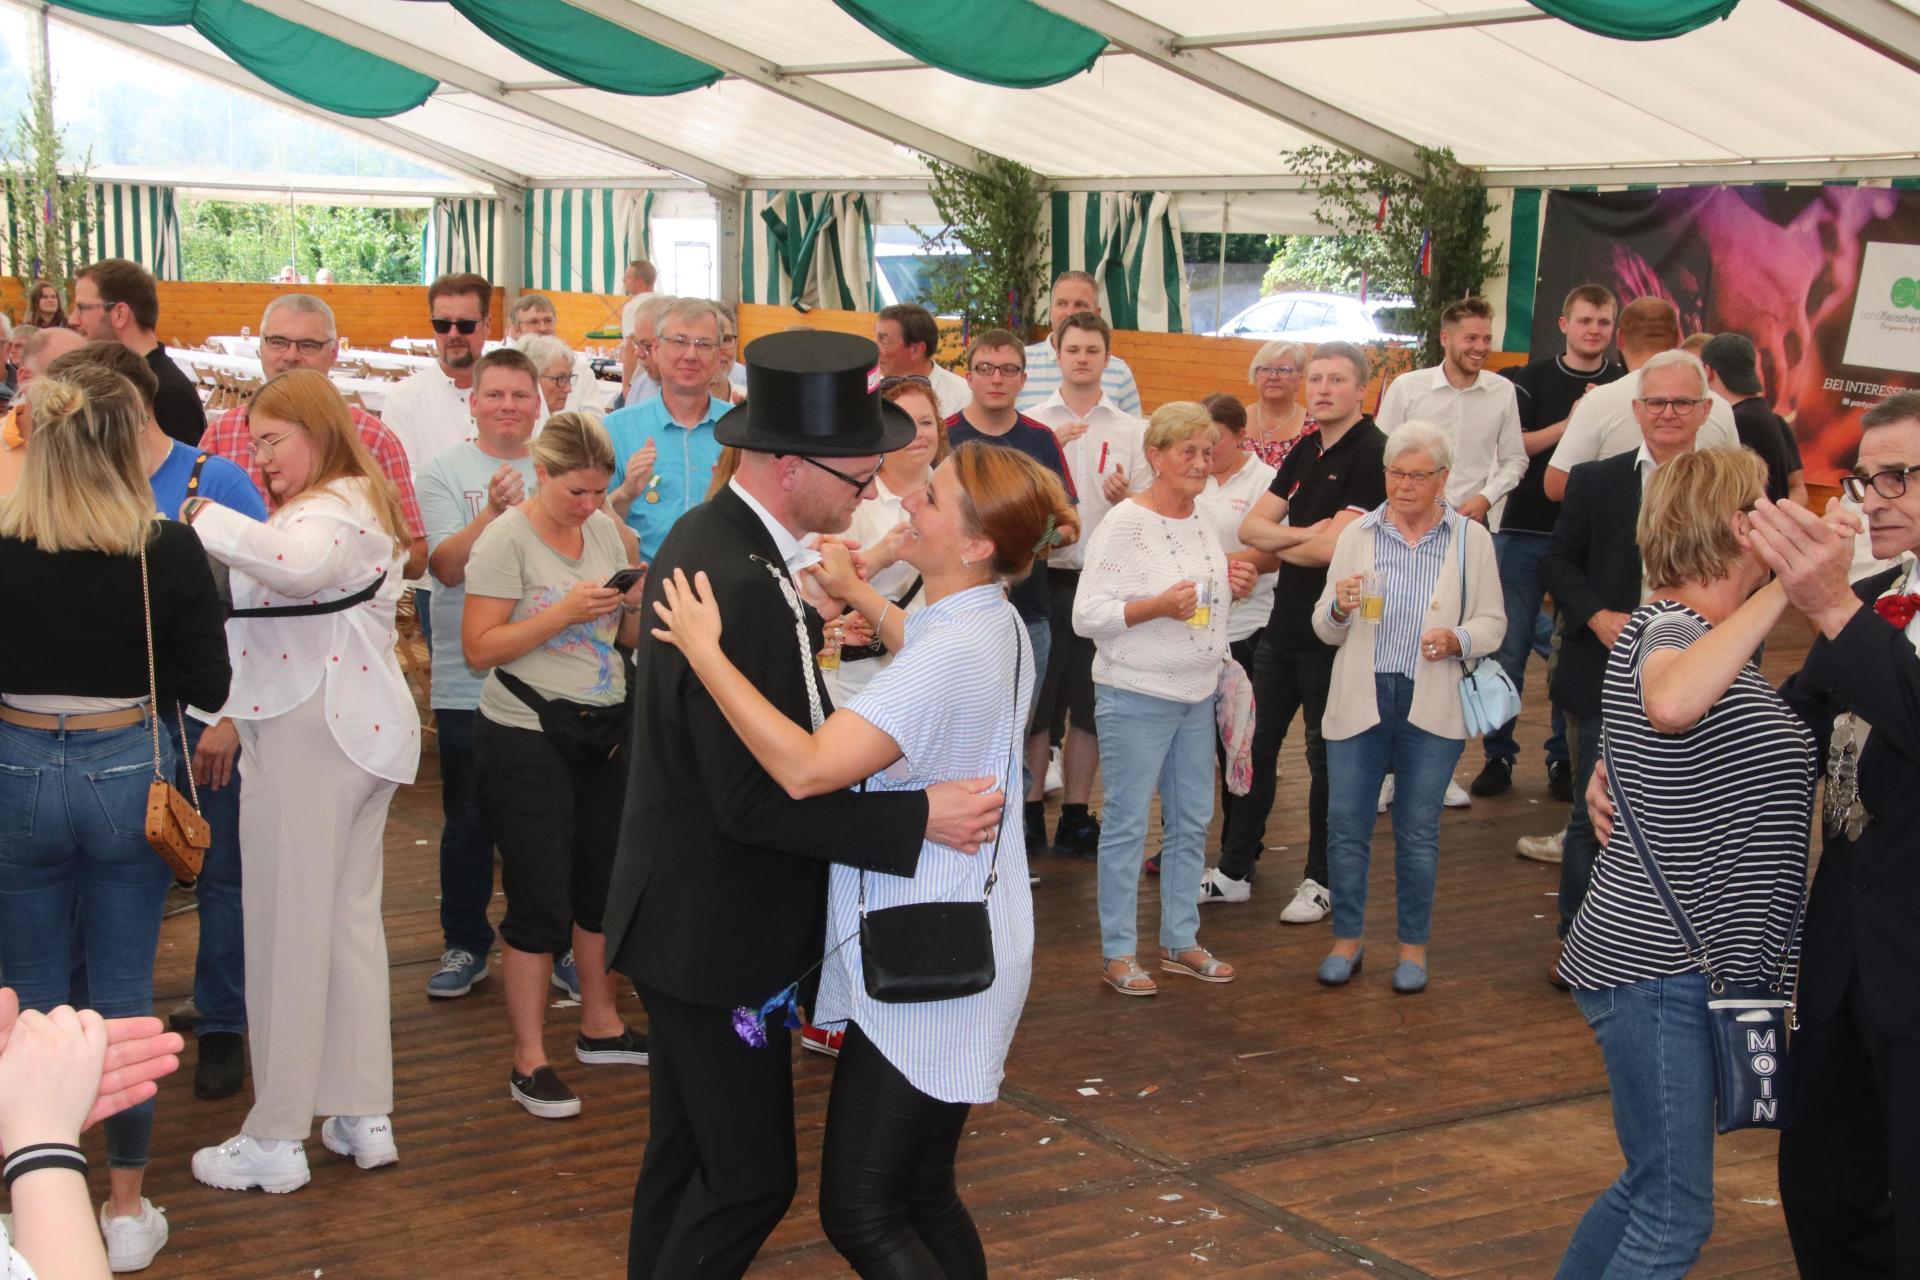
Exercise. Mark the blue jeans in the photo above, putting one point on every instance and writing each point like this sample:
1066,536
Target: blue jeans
74,854
1651,1223
1148,742
1421,764
1581,847
220,966
423,610
466,842
1040,636
1519,555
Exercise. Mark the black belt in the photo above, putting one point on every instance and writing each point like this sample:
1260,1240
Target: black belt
344,603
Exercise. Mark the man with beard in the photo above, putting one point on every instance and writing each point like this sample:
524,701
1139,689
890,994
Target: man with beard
718,898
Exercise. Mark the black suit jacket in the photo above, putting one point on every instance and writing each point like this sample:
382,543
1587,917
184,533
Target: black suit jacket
719,888
1866,895
1592,564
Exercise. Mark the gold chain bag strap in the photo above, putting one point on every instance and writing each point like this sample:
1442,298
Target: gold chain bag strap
175,827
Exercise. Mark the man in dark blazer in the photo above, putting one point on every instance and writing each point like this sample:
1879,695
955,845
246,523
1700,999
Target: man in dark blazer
719,890
1850,1158
1592,571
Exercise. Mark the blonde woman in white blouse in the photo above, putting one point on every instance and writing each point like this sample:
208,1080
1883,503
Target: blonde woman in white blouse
1153,598
328,728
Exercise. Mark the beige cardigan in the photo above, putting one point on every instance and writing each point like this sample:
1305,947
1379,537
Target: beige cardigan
1352,707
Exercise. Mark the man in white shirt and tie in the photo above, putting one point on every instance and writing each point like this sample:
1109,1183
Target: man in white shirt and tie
1105,453
1479,410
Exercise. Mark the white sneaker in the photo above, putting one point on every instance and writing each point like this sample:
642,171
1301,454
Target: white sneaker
1217,886
1386,795
1056,781
242,1163
1543,848
368,1139
1310,904
133,1242
1457,797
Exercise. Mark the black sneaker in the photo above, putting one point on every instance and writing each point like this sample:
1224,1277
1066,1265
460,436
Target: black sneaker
1560,781
1077,836
542,1094
629,1047
222,1067
1495,779
1036,824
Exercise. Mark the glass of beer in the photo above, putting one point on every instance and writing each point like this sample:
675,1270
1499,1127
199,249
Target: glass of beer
1203,604
1373,596
830,648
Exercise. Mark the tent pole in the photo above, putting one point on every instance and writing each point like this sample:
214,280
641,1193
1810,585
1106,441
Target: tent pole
1220,281
726,212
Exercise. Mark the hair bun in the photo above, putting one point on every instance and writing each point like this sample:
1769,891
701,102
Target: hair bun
52,399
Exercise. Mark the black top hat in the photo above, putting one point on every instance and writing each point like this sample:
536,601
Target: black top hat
1731,355
816,393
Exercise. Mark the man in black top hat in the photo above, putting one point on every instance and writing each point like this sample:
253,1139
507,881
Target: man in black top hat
719,891
1733,374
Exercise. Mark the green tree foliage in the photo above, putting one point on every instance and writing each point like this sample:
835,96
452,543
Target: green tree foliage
48,202
1444,198
1204,246
225,241
1323,263
997,216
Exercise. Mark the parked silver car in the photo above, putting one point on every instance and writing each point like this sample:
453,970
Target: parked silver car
1320,317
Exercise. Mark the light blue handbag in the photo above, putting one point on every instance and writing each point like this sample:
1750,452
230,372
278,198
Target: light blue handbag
1487,696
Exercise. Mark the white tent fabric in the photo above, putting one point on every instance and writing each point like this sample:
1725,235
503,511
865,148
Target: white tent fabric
1130,243
137,222
581,239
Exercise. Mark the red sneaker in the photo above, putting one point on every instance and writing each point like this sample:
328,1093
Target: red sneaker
820,1040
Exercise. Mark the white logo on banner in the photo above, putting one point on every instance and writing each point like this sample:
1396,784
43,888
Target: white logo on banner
1885,333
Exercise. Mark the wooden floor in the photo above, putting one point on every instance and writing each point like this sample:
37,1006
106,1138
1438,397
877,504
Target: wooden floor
1270,1128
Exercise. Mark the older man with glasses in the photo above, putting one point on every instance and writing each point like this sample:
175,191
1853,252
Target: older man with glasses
534,315
664,448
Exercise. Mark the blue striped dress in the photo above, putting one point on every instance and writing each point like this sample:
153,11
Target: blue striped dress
954,700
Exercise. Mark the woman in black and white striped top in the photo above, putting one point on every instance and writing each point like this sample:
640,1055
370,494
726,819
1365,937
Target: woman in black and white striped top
1719,772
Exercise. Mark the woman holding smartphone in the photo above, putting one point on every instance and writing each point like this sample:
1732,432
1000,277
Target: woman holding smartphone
552,587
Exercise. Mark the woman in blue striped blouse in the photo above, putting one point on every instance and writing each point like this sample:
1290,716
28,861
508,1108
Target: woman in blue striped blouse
1394,705
951,705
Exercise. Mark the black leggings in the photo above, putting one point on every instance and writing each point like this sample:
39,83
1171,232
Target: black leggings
887,1198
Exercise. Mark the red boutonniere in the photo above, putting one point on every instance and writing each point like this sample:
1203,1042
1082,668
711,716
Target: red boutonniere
1897,609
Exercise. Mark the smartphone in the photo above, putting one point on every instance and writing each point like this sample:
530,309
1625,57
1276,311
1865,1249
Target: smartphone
623,581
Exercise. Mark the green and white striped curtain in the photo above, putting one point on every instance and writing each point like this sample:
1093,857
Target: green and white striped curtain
1130,242
580,240
814,247
138,223
463,236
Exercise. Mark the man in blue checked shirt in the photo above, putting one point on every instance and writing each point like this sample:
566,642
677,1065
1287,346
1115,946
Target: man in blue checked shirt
1074,291
664,448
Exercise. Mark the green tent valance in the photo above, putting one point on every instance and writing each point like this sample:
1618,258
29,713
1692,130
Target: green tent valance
1011,43
1638,19
298,60
573,43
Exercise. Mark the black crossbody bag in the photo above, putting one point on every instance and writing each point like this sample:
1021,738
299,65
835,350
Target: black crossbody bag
925,951
582,732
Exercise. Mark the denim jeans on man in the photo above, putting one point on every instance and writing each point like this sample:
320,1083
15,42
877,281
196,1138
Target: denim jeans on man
1651,1223
1148,743
74,853
1581,846
220,966
1283,683
1422,765
1040,637
466,842
1518,554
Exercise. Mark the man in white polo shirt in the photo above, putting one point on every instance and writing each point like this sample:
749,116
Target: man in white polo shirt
1477,409
639,282
1075,291
907,337
1106,456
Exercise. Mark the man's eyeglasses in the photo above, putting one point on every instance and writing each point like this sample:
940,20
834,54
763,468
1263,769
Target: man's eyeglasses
308,346
1681,406
263,448
562,380
78,307
859,484
680,343
443,325
1891,483
1276,371
891,381
985,370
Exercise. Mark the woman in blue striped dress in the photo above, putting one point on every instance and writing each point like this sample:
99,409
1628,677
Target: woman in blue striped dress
949,706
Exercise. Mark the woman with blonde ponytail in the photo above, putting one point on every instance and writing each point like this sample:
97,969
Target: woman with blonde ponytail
80,549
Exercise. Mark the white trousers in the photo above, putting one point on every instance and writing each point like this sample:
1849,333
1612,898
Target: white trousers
312,828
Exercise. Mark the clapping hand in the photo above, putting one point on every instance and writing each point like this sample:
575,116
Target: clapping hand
506,488
139,1051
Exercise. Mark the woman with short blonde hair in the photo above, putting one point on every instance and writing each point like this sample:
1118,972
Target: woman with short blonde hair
328,730
81,551
1718,772
1276,420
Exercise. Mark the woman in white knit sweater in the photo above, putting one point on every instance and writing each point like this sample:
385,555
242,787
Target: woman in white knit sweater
1153,598
1394,706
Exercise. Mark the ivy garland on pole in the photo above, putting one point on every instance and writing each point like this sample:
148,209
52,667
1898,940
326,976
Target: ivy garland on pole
49,203
1421,236
997,213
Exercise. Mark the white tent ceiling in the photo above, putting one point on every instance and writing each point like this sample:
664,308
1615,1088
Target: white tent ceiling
1196,96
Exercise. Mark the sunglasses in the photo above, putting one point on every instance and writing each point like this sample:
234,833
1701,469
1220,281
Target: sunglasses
891,381
448,326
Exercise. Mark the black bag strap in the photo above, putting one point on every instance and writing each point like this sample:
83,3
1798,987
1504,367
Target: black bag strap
341,605
520,689
193,478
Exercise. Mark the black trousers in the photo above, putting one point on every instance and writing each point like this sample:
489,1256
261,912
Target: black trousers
887,1196
1283,683
1850,1162
719,1170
